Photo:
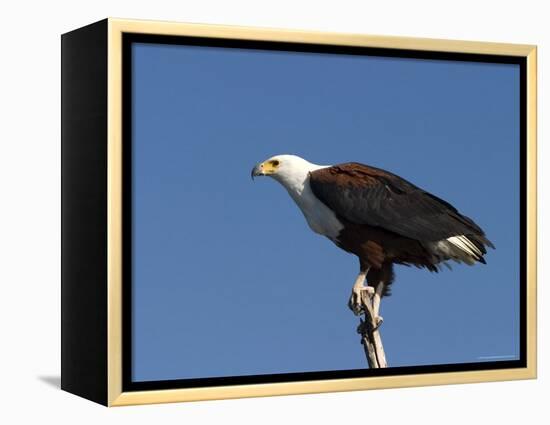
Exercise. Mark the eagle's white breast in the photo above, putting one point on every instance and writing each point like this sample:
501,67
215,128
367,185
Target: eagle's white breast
319,217
294,176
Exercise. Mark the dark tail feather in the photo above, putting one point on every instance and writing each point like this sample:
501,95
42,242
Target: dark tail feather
481,242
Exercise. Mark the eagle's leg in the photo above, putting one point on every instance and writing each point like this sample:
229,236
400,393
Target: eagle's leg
354,302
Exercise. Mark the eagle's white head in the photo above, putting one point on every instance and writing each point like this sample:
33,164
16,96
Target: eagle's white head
289,170
293,173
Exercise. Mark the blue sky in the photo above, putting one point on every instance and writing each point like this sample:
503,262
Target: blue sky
228,278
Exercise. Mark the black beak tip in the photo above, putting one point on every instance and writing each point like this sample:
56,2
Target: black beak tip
255,172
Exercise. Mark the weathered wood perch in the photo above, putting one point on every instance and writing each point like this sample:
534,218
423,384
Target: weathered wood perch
369,330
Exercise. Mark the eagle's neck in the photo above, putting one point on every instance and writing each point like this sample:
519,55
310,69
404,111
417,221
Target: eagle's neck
295,179
320,218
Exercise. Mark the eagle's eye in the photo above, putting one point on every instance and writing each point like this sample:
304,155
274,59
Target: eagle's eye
275,163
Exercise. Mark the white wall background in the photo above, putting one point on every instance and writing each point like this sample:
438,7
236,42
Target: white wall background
30,198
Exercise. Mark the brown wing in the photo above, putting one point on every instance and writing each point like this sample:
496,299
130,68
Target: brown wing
367,195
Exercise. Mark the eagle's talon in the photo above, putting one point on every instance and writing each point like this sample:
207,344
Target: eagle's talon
379,320
355,303
357,309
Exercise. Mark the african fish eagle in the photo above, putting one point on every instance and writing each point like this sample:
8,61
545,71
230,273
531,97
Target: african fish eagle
380,217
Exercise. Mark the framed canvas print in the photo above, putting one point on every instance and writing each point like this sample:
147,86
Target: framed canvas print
252,212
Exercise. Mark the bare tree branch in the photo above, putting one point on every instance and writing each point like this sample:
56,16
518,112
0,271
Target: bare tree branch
369,330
